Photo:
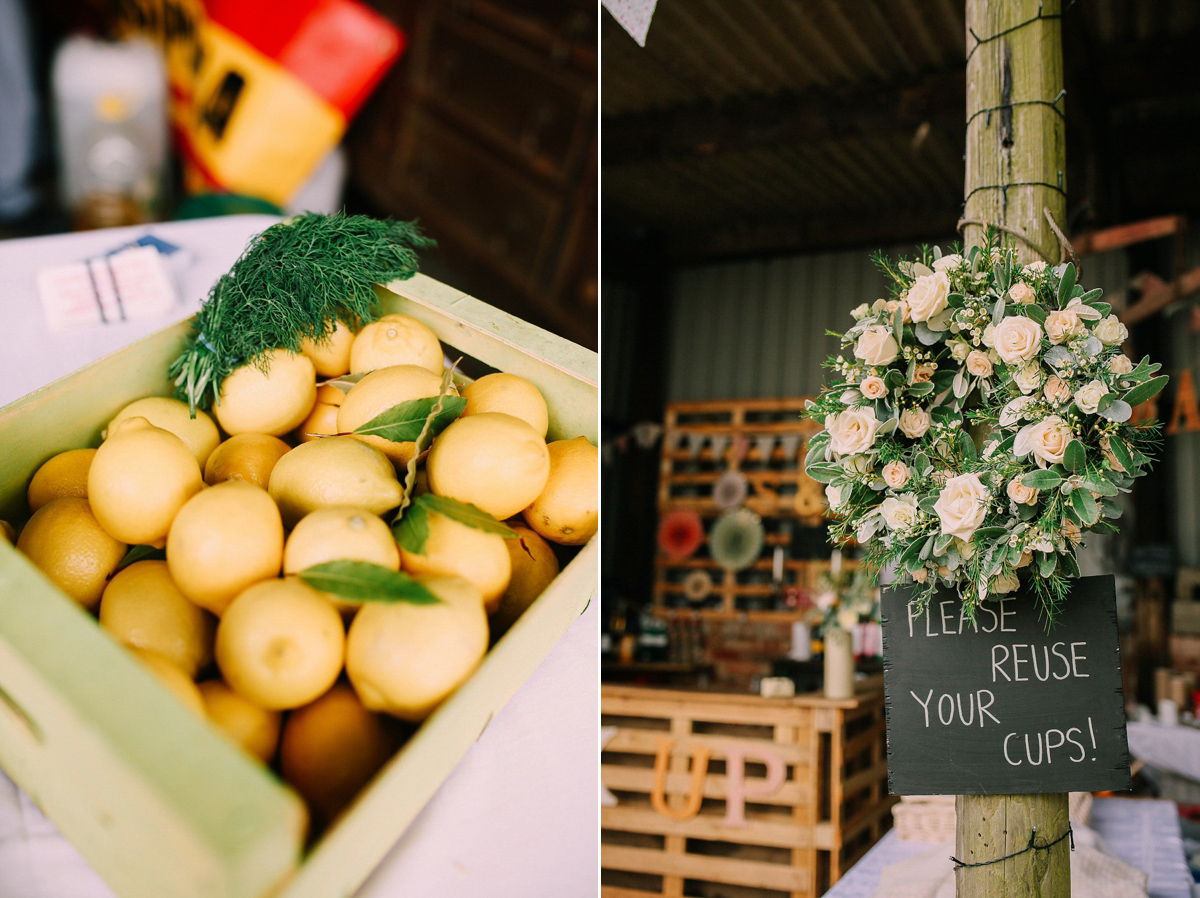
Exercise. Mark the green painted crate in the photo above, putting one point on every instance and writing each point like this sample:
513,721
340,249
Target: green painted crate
157,801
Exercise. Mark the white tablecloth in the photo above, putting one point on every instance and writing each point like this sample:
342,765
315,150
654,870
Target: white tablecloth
1175,749
1142,832
518,817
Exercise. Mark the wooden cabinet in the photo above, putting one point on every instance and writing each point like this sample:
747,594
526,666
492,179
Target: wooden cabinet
764,442
487,133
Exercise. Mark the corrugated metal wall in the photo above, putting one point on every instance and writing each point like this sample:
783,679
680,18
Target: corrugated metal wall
757,329
748,330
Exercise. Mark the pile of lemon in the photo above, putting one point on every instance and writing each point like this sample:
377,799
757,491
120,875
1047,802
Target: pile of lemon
321,688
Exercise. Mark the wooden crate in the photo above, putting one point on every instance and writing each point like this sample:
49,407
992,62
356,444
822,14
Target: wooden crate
677,762
765,440
155,799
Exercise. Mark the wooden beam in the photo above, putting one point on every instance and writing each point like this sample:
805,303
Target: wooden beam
1124,235
784,119
1157,300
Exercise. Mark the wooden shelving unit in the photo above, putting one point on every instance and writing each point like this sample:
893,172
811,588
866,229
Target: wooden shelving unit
765,441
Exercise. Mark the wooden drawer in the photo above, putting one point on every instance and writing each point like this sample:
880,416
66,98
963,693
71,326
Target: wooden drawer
155,799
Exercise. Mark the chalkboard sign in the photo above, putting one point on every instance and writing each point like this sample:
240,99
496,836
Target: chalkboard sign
1004,706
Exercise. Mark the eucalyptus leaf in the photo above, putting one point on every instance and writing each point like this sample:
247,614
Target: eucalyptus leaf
921,389
942,543
1118,410
1057,356
998,312
1075,457
1121,452
1066,285
1035,312
1085,506
1042,479
362,581
924,335
966,446
1046,562
1090,298
1100,486
1145,391
1110,509
404,422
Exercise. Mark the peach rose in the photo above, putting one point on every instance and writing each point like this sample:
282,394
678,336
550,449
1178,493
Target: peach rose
873,387
1046,439
1120,364
895,474
979,364
1063,324
1021,293
914,422
1056,389
1020,493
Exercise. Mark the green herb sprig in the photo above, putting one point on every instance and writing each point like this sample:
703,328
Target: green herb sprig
293,282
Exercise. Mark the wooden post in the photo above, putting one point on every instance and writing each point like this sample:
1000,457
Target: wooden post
1016,169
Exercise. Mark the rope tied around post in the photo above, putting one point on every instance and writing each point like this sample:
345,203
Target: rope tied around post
1032,846
1040,17
1065,250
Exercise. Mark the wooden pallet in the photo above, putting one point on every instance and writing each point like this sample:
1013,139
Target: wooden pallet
766,441
739,796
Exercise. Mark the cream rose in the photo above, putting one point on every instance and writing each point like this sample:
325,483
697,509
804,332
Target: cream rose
961,505
1036,267
836,495
1020,493
861,311
979,364
1028,377
895,474
1012,411
852,431
959,349
1046,439
1056,389
877,345
920,575
1120,364
1110,331
899,513
951,260
1063,324
1004,583
847,619
873,387
914,422
900,304
927,296
1021,293
1089,395
1017,339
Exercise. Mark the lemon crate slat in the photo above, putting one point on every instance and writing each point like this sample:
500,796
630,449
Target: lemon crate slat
672,831
154,798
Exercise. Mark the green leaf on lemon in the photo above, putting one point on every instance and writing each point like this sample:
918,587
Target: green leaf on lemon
406,421
362,581
139,553
412,529
466,513
426,435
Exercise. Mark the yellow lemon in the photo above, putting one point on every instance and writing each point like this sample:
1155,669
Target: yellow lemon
271,395
247,456
322,420
404,659
453,548
379,391
199,433
224,539
340,532
143,608
140,477
567,510
172,676
253,728
333,471
64,474
534,566
66,543
492,460
331,749
511,395
7,531
396,340
331,354
280,644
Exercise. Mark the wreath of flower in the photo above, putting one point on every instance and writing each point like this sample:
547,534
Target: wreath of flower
978,423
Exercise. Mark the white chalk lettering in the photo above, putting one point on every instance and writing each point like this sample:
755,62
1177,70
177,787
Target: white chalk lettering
946,721
998,666
1066,663
923,704
946,617
1075,659
995,620
1006,757
983,709
1003,615
1017,662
